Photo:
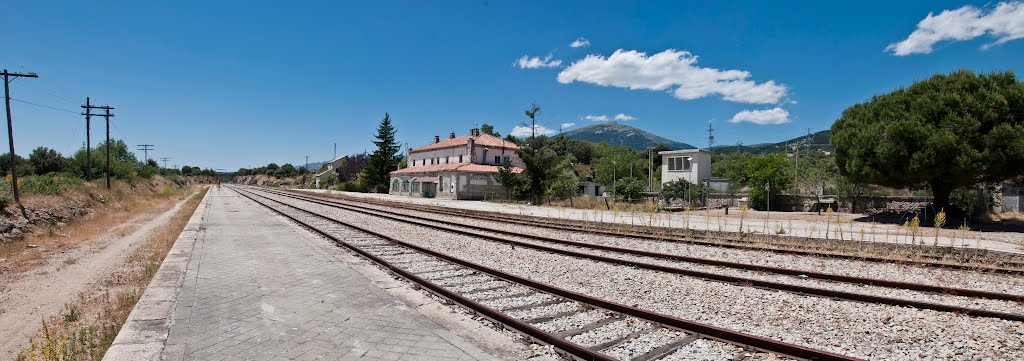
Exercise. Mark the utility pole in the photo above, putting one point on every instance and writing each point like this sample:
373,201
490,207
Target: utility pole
335,151
307,163
165,161
10,134
106,115
145,148
88,140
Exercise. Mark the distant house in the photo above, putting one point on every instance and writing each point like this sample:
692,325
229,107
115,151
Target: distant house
457,168
692,165
330,167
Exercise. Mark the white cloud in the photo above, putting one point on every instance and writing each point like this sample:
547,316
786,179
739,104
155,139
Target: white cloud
624,117
527,62
579,43
596,118
671,70
524,130
762,117
565,125
1004,23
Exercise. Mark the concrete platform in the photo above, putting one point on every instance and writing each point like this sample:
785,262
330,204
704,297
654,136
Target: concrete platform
245,284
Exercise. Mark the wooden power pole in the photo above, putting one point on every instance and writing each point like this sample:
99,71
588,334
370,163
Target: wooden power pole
10,135
88,140
145,148
106,115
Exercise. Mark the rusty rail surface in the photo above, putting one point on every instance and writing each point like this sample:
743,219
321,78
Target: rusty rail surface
708,331
851,296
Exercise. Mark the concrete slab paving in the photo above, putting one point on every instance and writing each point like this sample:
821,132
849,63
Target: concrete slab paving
257,287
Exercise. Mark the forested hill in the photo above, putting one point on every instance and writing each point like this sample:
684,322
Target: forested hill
819,140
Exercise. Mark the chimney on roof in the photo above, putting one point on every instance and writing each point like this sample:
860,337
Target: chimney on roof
451,136
437,138
474,132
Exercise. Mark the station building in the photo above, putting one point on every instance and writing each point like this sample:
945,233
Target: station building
457,168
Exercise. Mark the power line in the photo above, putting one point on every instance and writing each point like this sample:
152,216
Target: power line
45,106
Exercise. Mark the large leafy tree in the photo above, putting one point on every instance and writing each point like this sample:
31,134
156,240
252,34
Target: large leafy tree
376,174
946,132
766,176
46,160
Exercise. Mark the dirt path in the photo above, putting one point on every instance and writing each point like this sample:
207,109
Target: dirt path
27,298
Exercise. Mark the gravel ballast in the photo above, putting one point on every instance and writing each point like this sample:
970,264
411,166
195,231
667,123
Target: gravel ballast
863,330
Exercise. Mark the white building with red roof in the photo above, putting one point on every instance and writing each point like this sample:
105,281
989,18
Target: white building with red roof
457,168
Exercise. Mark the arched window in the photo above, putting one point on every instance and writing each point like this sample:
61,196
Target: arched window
394,185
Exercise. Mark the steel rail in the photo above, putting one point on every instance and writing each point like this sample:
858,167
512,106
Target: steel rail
706,261
703,240
708,331
541,336
850,296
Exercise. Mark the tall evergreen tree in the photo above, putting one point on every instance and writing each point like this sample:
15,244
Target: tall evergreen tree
384,159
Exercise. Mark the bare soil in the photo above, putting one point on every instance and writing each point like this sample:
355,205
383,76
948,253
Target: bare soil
55,274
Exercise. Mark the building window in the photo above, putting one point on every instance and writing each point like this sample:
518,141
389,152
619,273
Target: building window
394,185
460,159
416,187
405,186
497,159
679,163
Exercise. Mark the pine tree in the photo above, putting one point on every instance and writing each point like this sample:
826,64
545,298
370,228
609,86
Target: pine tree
385,159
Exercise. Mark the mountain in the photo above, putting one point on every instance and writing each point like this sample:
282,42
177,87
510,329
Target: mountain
819,140
621,134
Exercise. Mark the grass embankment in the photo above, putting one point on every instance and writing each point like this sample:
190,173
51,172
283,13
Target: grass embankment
65,211
87,328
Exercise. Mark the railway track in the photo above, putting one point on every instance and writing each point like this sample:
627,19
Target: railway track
577,325
471,230
945,257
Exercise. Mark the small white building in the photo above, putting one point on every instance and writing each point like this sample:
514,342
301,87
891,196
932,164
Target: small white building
333,166
693,165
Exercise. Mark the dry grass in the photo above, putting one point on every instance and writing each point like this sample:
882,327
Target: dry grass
87,328
110,210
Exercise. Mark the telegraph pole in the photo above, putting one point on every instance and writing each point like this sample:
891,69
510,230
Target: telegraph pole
106,115
335,151
88,140
145,148
307,163
165,161
10,134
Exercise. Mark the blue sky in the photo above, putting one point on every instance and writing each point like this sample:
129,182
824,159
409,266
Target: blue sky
228,85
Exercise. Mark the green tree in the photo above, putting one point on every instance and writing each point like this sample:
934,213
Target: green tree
46,160
681,189
376,174
287,170
23,166
507,177
766,175
541,166
489,129
630,188
947,132
617,162
564,183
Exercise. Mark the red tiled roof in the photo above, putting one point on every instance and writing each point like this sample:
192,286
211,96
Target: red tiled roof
484,139
462,167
